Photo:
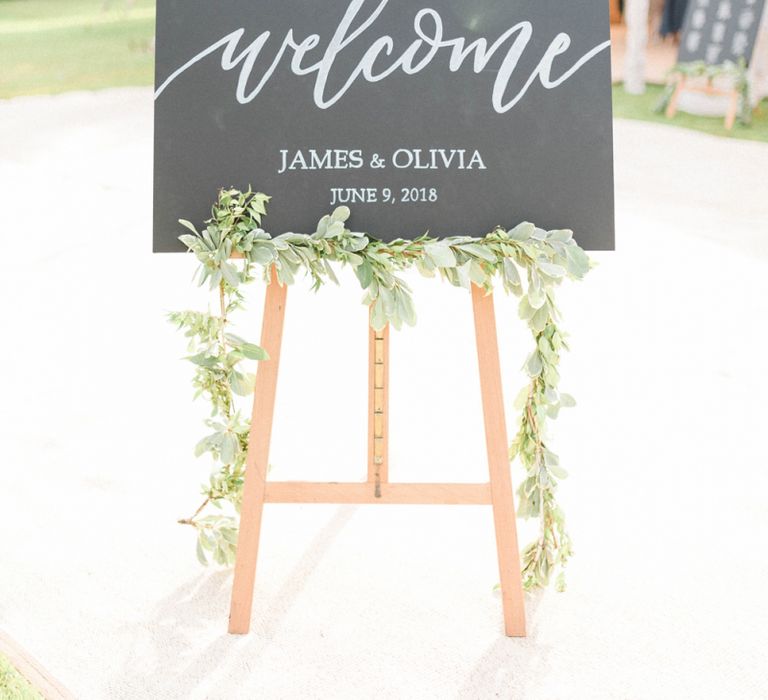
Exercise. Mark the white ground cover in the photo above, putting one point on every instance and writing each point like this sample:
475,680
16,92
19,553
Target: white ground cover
666,499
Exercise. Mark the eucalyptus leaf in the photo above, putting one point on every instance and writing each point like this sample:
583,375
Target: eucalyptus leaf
534,365
189,225
536,297
341,214
262,254
478,250
364,273
540,318
204,360
522,232
555,271
510,272
378,317
561,235
230,274
229,448
441,254
241,382
253,352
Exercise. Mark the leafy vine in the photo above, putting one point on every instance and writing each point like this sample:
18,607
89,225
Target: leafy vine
529,261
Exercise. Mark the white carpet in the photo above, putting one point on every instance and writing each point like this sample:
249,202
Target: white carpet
666,499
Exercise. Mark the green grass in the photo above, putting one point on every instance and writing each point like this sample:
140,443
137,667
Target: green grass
52,46
641,107
13,686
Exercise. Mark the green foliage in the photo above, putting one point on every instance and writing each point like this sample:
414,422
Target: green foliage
51,46
538,402
642,108
733,72
530,263
13,686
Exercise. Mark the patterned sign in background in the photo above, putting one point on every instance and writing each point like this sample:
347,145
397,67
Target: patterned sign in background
716,31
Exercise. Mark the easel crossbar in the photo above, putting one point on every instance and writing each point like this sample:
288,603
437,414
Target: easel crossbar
363,493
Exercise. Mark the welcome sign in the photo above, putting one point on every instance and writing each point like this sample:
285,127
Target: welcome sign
447,116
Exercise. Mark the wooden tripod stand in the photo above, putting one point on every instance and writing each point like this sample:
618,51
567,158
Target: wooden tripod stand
377,489
707,88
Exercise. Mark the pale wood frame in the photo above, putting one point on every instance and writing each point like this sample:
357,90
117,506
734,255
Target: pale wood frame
708,89
376,489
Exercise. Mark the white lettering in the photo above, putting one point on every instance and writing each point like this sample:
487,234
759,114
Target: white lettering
371,67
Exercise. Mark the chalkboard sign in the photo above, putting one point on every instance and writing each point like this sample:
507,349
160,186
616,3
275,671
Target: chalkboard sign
716,31
447,116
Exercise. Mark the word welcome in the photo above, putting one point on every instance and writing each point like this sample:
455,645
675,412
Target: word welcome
402,158
431,41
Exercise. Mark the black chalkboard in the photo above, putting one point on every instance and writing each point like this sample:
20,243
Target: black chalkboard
716,31
447,116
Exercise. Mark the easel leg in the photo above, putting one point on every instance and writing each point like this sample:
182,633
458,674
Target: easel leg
672,106
378,408
733,108
257,459
498,463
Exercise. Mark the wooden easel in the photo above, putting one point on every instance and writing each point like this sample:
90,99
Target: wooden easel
707,89
377,489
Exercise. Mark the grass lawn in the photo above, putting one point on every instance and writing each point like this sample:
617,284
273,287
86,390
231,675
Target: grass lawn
51,46
641,107
13,686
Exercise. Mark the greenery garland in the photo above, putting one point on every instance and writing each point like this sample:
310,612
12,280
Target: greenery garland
737,72
530,262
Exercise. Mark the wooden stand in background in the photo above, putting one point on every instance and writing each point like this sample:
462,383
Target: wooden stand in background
708,89
377,489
